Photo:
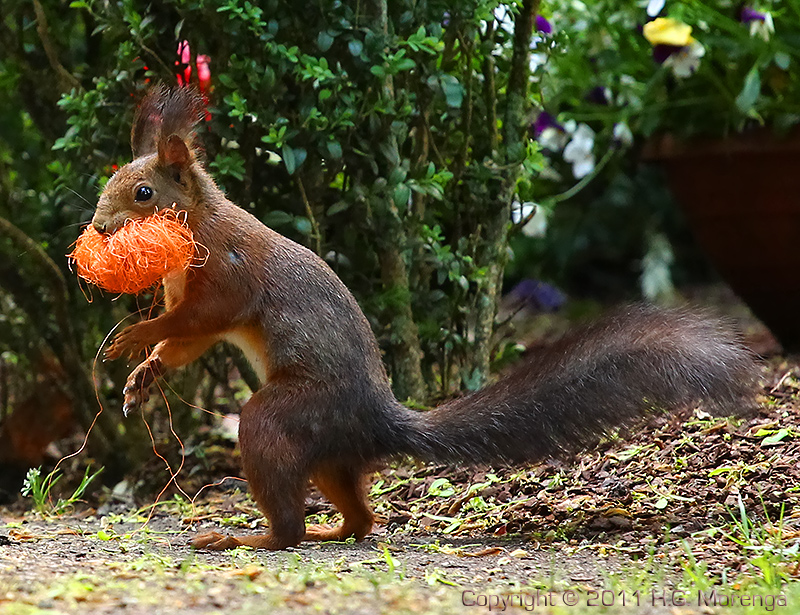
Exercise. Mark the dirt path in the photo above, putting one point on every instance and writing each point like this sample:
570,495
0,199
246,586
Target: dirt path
71,565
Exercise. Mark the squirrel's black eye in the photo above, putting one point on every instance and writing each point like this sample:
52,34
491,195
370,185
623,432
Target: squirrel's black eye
144,193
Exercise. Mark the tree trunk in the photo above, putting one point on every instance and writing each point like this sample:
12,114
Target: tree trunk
492,251
406,352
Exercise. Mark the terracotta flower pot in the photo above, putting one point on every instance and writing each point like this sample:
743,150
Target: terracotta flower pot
741,197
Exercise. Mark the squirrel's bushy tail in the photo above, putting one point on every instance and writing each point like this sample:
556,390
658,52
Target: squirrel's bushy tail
596,379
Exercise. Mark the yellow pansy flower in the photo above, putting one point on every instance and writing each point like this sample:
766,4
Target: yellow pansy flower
666,31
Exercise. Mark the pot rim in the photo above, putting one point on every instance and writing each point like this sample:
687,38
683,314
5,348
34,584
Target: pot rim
758,141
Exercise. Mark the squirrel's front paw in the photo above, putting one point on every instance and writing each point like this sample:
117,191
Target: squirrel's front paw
129,342
137,387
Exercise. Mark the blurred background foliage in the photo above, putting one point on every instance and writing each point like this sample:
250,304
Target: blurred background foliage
395,139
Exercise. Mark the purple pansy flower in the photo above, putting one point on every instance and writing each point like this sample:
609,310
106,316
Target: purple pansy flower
683,60
545,121
543,26
548,132
598,95
748,15
662,52
537,295
760,22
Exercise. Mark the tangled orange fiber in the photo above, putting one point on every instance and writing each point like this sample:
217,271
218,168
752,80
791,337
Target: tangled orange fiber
137,256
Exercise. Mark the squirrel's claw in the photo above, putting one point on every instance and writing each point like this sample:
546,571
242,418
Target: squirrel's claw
133,399
128,342
127,407
137,387
111,353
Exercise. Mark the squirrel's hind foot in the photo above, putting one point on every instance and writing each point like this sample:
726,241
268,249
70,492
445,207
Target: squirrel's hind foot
214,541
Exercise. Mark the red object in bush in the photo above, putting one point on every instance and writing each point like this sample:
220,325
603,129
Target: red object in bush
184,74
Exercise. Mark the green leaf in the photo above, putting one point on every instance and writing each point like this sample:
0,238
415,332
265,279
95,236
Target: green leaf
776,438
661,503
324,41
293,157
378,71
334,149
269,77
338,207
405,64
277,218
750,92
300,156
356,47
441,487
288,159
783,60
401,194
453,92
146,22
303,225
397,175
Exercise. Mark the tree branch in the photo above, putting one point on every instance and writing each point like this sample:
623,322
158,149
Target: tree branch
316,235
517,90
67,80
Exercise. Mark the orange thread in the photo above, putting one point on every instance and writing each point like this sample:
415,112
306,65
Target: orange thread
173,478
138,255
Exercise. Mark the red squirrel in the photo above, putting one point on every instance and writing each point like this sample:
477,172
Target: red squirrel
325,411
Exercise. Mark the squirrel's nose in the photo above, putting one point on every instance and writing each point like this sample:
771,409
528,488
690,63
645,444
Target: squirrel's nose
100,227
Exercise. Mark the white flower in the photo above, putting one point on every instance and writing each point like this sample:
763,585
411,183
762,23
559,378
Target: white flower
535,60
552,139
763,27
656,278
686,60
520,211
503,17
537,225
654,7
622,134
579,151
337,258
228,427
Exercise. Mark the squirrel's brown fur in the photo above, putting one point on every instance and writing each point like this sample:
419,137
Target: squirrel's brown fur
325,411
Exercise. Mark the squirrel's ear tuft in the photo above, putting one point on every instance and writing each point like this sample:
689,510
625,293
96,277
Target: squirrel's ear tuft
183,109
165,112
147,122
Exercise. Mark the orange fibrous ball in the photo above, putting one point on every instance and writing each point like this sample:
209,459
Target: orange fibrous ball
137,256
